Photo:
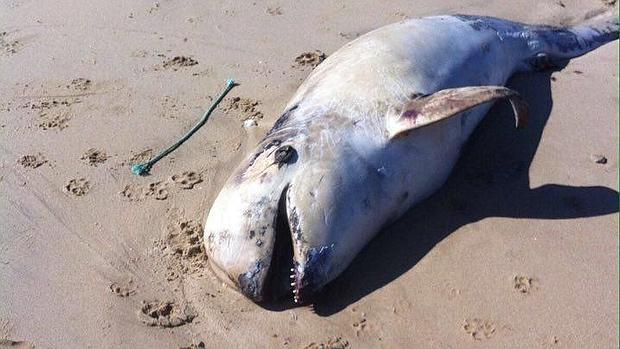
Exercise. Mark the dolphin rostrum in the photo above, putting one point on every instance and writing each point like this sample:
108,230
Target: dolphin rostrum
376,128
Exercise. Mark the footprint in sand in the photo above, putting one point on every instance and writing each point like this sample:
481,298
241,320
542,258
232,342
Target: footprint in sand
184,241
187,179
247,108
78,187
32,161
479,329
9,46
122,289
309,59
178,62
80,84
359,326
56,120
165,314
524,284
157,190
94,157
138,158
132,193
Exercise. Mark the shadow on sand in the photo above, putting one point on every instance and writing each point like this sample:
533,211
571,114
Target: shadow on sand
491,179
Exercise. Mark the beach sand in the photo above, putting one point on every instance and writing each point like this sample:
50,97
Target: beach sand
518,250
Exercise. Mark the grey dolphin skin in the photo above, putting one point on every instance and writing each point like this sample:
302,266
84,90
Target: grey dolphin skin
376,128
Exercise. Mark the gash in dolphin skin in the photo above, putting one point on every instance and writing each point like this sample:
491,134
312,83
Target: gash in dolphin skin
376,128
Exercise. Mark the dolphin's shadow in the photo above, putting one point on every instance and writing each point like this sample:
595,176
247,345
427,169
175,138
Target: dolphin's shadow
491,179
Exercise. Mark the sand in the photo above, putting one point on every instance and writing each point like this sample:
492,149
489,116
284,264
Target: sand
518,250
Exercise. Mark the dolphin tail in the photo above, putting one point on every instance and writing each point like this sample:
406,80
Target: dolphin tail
553,46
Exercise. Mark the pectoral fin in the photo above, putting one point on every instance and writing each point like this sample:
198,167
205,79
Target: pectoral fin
425,110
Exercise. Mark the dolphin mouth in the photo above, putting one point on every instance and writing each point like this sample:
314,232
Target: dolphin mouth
279,281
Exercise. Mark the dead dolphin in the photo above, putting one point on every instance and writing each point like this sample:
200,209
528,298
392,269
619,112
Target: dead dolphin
376,128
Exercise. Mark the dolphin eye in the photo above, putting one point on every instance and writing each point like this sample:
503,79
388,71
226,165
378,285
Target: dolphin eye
285,155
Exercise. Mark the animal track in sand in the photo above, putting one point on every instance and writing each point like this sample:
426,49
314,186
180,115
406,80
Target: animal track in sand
132,193
157,190
309,59
246,107
32,161
524,284
165,314
94,157
122,289
187,179
49,104
9,46
56,121
479,329
162,190
359,326
332,343
80,84
184,240
274,11
199,345
78,187
139,157
182,244
179,62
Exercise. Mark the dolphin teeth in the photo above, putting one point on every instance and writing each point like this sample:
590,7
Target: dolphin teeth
292,276
292,284
292,269
295,291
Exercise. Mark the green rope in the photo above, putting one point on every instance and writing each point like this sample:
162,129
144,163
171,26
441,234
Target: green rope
143,169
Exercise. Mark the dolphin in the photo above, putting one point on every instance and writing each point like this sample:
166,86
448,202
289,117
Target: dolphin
376,128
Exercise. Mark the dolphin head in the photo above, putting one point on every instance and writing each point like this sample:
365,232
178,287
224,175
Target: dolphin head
295,213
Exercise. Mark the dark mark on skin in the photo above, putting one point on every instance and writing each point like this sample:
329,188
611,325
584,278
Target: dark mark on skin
285,155
411,114
251,234
405,196
222,236
210,239
316,266
293,221
248,284
282,120
259,242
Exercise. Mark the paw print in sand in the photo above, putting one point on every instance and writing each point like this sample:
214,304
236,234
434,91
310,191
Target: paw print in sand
78,187
187,179
524,284
479,329
310,59
165,314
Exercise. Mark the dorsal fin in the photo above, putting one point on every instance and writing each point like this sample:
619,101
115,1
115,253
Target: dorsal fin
425,110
